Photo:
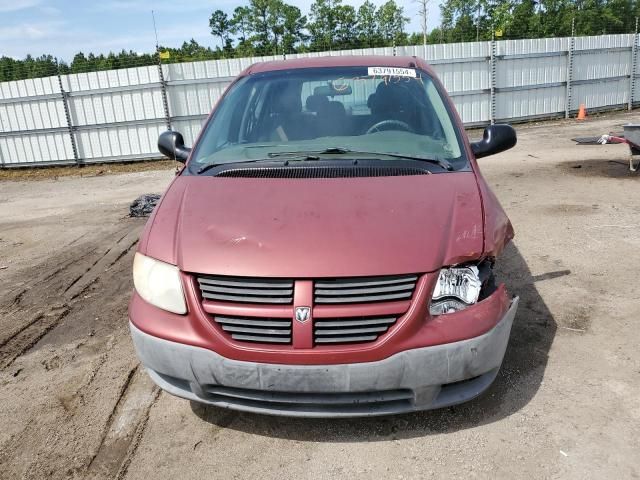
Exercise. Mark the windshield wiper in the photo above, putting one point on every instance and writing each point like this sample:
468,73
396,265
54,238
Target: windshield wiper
209,166
312,155
306,155
297,157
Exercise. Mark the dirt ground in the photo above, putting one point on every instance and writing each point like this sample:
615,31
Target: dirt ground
74,402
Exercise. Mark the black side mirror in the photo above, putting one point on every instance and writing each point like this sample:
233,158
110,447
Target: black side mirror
171,144
496,139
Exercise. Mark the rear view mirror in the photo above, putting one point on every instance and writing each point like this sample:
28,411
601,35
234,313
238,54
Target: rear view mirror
496,139
171,144
332,90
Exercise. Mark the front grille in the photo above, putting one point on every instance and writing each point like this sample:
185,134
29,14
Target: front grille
332,404
350,329
364,290
320,172
344,309
246,290
256,329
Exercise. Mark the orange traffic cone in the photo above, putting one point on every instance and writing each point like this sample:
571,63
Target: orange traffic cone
582,112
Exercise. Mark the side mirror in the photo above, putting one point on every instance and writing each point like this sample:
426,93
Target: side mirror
171,144
496,139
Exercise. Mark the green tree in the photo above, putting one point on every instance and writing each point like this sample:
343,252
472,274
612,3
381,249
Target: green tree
392,23
367,25
322,24
260,26
220,26
332,25
294,26
346,31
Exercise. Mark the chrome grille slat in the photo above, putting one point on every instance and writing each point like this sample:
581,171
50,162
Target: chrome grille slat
364,289
354,291
256,329
349,331
253,322
362,338
364,298
260,339
246,299
246,290
350,323
353,282
249,283
260,331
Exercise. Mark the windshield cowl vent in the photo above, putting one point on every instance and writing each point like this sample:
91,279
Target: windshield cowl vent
320,172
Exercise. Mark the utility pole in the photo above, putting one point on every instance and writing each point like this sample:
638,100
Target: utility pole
478,22
163,83
423,11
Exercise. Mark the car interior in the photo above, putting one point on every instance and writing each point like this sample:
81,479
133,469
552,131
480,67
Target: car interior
289,113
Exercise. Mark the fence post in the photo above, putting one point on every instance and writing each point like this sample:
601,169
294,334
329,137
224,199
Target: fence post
634,63
567,96
492,79
163,91
65,103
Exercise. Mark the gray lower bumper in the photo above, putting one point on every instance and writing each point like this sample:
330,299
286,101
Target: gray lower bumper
419,379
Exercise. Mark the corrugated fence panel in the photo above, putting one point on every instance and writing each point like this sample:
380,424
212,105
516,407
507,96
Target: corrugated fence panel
54,147
601,69
195,99
116,112
464,70
33,123
126,77
120,142
603,41
527,85
117,106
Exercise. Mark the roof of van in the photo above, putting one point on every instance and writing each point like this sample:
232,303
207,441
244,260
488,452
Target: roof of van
338,61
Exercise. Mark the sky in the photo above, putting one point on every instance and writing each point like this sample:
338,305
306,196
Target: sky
64,27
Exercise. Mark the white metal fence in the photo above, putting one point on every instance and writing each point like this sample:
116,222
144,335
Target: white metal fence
118,114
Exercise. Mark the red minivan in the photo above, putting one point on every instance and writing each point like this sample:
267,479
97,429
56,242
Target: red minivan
327,249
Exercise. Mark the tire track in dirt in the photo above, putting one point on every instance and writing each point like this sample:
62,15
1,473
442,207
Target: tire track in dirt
91,410
23,332
26,338
112,256
125,425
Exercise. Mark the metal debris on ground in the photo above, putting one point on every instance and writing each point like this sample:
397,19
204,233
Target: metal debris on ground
630,136
143,205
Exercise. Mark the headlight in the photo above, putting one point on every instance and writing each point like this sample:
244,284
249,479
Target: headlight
159,283
456,289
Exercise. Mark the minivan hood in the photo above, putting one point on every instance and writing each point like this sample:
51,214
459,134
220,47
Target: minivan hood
307,228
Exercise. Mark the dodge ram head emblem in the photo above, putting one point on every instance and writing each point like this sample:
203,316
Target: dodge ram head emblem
303,314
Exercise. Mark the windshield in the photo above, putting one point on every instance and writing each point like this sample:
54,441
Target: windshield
374,109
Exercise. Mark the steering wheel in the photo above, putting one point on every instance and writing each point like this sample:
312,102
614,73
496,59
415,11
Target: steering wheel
390,123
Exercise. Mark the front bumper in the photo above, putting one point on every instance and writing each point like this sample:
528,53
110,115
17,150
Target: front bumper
417,379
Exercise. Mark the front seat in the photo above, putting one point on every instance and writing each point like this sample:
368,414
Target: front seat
391,101
285,118
331,116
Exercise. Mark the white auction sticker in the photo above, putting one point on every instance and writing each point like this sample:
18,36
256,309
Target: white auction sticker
391,72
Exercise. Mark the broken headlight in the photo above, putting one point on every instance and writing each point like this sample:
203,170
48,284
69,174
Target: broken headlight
455,290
